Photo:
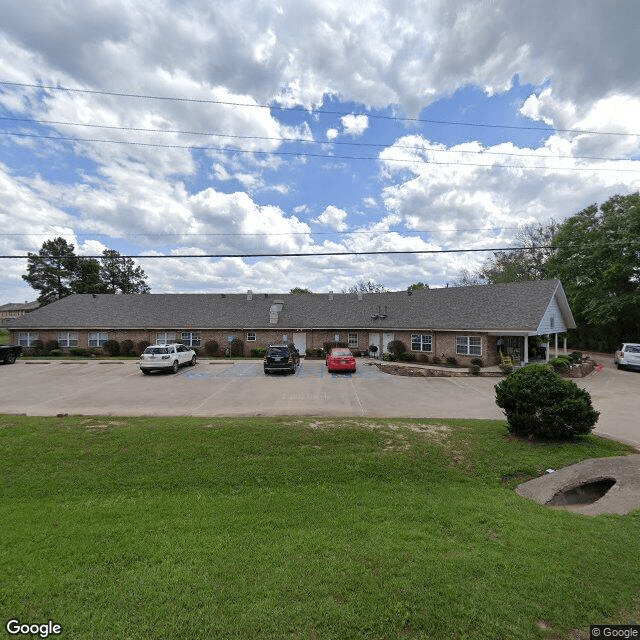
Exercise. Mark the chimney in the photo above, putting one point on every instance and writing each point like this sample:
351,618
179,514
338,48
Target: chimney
359,295
249,295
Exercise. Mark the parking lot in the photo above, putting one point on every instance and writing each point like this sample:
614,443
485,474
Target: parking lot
240,388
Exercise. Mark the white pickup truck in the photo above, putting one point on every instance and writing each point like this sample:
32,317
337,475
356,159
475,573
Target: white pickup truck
628,355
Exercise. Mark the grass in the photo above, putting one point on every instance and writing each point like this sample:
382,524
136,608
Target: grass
301,528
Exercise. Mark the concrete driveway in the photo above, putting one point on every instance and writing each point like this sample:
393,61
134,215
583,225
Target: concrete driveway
214,388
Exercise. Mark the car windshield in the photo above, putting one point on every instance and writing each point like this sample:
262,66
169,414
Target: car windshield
633,348
340,353
155,350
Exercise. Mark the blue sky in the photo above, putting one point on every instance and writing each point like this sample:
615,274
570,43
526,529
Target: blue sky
389,127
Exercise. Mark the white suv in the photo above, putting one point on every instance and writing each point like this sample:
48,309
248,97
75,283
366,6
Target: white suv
628,356
165,357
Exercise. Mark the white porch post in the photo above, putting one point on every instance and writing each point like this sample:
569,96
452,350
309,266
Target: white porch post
525,359
556,340
565,346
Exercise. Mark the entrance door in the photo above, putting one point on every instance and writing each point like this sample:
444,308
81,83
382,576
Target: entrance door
300,343
386,339
374,340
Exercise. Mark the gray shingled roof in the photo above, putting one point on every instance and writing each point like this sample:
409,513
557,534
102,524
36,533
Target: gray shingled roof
510,306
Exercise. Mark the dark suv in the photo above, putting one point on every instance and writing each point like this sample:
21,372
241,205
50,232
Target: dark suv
281,357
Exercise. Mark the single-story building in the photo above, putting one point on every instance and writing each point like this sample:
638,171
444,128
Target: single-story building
459,322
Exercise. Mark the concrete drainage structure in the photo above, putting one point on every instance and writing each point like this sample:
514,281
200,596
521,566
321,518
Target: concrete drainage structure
591,487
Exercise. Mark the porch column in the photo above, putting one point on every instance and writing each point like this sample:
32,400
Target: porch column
556,346
565,345
525,355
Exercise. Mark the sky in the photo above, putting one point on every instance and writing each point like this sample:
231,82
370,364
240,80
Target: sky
406,135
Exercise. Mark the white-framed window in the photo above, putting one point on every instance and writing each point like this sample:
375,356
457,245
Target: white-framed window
67,338
421,342
251,336
27,338
165,337
468,346
97,338
353,340
191,338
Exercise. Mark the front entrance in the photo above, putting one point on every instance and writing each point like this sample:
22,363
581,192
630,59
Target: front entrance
300,343
374,341
386,339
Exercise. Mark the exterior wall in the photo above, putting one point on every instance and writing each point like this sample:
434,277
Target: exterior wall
443,343
552,322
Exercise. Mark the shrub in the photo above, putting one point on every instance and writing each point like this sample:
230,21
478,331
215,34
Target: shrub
126,347
575,357
478,362
452,362
258,352
538,402
237,348
38,348
474,369
142,345
396,348
111,347
81,352
387,357
51,345
408,356
436,360
55,352
506,368
560,363
211,348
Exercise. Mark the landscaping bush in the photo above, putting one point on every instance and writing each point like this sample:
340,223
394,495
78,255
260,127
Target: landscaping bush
50,346
408,356
126,347
478,362
211,348
436,360
452,362
474,369
538,402
38,348
258,352
561,363
396,348
56,353
81,352
142,345
111,347
327,346
575,357
237,348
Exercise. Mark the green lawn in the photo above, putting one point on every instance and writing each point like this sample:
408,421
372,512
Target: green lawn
300,528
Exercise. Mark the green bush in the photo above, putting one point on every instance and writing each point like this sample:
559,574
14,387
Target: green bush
575,357
436,360
236,348
538,402
258,352
474,369
408,356
477,361
111,347
452,362
56,353
396,348
561,363
211,348
50,346
80,352
142,345
126,348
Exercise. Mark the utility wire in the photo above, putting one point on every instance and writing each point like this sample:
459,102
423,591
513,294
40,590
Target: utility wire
301,140
308,155
121,94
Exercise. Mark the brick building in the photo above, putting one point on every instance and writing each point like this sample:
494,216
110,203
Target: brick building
461,322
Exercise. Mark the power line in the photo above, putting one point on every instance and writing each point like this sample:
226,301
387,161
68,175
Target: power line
122,94
380,145
305,154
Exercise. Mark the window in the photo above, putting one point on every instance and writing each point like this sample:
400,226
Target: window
191,338
468,346
67,338
251,336
165,337
421,342
353,340
552,321
27,339
97,338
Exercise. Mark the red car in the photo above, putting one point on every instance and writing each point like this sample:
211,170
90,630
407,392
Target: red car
341,360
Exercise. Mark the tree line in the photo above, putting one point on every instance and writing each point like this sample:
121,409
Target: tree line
56,272
596,255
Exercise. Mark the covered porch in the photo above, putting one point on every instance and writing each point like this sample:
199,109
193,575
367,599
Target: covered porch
526,347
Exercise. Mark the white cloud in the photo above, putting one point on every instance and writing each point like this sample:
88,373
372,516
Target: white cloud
354,125
334,217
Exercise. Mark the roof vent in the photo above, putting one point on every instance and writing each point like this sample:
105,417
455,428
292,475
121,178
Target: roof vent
359,295
330,295
249,295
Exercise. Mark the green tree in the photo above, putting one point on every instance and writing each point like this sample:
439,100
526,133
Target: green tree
120,274
597,258
417,286
366,287
53,270
298,291
87,277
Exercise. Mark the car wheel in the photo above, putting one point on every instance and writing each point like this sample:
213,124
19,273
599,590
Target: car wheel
145,371
10,358
621,367
175,367
193,361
